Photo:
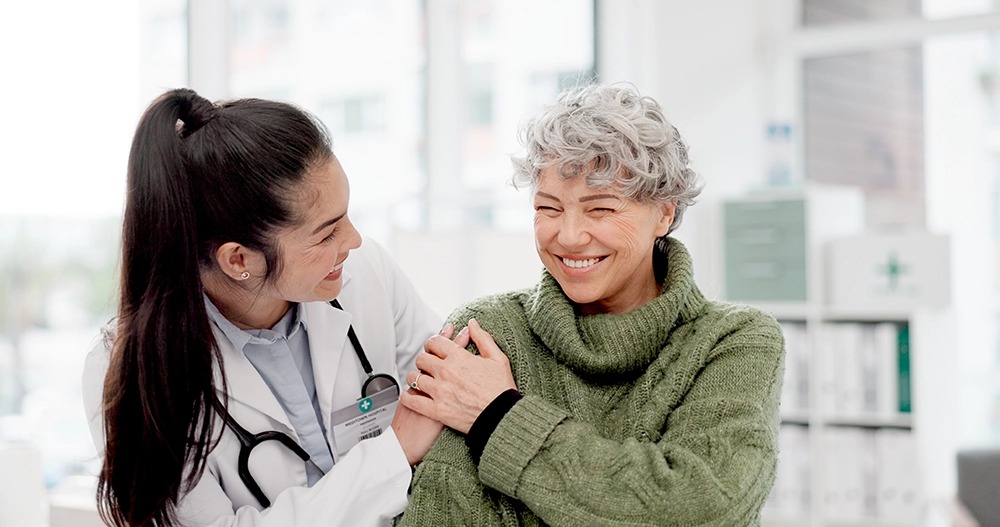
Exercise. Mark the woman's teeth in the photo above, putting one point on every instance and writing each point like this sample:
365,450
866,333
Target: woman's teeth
579,264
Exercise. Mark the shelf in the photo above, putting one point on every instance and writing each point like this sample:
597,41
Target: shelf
844,369
799,417
785,311
904,421
801,312
866,522
775,520
839,314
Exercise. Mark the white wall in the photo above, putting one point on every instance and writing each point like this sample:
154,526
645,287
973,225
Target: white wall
714,67
960,188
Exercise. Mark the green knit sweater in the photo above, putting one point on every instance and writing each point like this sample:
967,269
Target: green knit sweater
665,415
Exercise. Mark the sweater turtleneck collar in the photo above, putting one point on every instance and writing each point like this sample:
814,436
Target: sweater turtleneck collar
621,344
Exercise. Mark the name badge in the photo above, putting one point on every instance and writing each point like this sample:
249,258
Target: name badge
364,419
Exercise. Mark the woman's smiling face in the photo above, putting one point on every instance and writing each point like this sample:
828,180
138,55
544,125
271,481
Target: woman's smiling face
597,243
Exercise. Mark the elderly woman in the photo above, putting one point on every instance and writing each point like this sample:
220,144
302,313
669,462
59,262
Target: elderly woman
612,392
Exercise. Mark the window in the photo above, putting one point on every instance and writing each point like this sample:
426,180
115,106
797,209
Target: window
819,13
423,99
410,146
78,82
354,115
864,126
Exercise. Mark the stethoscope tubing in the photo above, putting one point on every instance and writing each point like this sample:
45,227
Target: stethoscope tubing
248,440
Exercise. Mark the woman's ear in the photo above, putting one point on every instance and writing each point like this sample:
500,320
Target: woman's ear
238,262
667,211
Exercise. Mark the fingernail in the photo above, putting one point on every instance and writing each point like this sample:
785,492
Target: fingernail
447,327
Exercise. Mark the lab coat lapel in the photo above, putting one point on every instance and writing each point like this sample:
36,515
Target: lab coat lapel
246,385
328,342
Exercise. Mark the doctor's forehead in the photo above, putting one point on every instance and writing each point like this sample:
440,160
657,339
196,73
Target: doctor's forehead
322,195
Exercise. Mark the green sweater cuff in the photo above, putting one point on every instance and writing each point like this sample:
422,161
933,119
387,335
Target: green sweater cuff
516,441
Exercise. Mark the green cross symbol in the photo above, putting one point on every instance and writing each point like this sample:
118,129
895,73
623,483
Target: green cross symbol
893,269
365,404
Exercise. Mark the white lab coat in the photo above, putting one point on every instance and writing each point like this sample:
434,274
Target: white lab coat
368,485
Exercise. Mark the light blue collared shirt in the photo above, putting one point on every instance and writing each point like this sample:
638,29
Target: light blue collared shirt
281,356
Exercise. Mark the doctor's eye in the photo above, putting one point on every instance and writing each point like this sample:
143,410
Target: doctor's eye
332,234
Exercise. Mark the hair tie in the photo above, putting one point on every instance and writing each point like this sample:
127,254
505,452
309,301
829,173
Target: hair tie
196,113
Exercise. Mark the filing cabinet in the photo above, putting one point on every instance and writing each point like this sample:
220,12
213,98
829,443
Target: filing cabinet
766,250
773,240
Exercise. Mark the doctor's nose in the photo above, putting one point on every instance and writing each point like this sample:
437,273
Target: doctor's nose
354,237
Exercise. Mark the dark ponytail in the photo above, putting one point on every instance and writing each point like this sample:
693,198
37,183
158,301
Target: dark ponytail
199,175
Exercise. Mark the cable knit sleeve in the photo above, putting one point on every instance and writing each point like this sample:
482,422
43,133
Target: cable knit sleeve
446,490
691,441
713,465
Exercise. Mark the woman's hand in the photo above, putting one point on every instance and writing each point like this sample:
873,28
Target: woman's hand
453,385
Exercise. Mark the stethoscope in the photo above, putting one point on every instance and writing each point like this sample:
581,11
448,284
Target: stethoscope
375,383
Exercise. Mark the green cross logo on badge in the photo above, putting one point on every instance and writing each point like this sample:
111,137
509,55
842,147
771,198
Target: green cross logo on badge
365,404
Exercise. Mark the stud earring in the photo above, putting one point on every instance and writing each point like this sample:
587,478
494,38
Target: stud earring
244,275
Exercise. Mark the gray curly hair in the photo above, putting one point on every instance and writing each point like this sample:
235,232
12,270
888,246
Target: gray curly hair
613,136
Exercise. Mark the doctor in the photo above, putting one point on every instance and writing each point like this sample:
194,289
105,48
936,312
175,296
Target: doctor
252,374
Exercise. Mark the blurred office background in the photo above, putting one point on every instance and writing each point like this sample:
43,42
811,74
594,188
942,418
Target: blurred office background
898,100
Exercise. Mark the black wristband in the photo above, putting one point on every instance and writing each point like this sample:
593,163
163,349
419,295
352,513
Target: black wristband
487,422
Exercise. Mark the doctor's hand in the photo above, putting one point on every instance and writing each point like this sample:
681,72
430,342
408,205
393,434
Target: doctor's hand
453,385
416,433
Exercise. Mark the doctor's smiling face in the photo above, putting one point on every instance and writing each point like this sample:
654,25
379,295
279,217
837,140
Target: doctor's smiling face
597,243
313,251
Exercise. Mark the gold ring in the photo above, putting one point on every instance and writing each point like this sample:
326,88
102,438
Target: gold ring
415,379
